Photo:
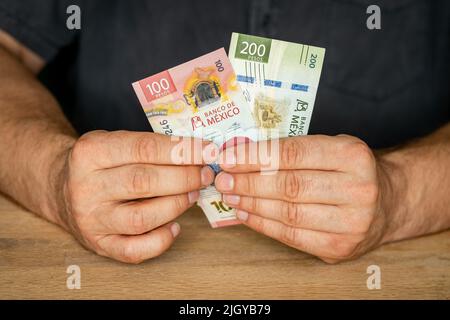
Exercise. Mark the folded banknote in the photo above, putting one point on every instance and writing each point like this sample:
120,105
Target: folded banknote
200,98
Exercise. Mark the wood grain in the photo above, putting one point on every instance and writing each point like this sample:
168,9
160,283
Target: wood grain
228,263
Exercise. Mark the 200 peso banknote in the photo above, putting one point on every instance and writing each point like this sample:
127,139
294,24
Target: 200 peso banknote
200,98
279,79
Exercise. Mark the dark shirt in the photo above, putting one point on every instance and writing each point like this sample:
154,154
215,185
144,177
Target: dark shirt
385,86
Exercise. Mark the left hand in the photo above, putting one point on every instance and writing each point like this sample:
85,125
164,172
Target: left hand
327,198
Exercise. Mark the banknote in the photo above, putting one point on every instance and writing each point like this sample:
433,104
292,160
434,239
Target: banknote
200,98
280,81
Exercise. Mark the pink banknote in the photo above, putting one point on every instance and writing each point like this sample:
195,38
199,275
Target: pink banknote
200,98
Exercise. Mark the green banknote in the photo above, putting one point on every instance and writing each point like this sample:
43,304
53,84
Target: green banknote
280,81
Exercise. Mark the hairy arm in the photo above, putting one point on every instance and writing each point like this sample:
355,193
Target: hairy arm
419,186
34,134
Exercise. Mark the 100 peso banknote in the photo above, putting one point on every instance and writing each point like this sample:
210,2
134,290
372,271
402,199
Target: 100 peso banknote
280,81
199,98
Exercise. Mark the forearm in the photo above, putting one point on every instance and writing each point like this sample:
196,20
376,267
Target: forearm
34,137
418,188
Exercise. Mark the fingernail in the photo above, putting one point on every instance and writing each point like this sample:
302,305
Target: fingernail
175,229
231,199
242,215
207,176
225,182
229,161
193,196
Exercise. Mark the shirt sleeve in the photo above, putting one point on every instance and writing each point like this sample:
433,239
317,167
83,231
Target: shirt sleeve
38,25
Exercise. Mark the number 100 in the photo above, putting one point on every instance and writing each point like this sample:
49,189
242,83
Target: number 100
157,86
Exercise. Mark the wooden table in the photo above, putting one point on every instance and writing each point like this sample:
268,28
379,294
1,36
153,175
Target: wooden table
227,263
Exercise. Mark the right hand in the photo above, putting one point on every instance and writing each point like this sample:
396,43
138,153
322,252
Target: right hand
121,190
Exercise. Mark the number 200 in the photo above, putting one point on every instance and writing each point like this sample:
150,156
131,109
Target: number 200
253,49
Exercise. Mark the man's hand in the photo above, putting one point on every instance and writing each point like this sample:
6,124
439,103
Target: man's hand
119,192
328,199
